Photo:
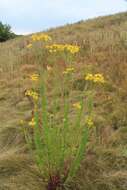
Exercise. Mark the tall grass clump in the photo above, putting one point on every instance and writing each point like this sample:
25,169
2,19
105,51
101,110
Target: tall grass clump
62,118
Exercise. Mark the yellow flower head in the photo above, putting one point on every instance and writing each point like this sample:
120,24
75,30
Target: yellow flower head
96,78
69,70
41,37
89,122
72,49
63,47
89,77
29,46
34,77
32,123
77,105
32,94
55,48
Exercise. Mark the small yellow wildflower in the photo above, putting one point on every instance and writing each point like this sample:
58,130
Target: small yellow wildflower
51,51
63,47
39,37
89,122
89,77
69,70
77,105
34,77
72,49
55,48
32,123
34,37
29,46
96,78
32,94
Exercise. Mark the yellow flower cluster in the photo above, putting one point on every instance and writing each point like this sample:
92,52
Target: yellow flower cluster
34,77
89,122
29,46
32,123
72,49
69,70
55,47
96,78
32,94
61,47
39,37
77,105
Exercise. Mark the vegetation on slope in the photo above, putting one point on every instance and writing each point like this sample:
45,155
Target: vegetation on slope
104,44
6,33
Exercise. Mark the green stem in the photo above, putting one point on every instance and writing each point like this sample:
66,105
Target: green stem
79,156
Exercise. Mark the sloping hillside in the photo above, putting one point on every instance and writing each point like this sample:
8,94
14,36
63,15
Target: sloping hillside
103,43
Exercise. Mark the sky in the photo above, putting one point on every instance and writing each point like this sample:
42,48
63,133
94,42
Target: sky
28,16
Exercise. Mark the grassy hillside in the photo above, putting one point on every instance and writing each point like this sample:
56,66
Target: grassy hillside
103,43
